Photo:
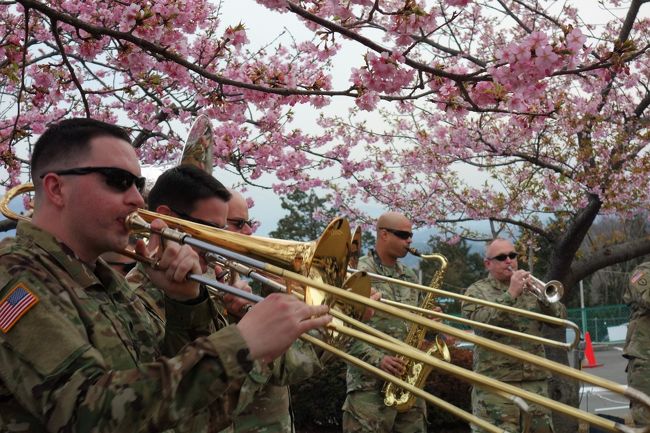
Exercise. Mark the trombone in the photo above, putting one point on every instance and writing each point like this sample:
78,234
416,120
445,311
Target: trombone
325,261
255,255
509,332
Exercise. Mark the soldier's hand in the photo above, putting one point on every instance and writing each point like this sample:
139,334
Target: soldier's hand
393,365
518,282
235,305
271,326
173,263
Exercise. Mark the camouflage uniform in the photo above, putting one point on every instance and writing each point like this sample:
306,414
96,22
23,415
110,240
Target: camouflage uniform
264,401
637,342
262,404
90,356
364,409
485,404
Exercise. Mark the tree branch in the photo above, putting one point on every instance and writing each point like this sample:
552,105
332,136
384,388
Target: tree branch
73,75
608,256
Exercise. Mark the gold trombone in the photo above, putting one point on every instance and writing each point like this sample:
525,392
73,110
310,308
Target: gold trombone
554,321
325,260
256,254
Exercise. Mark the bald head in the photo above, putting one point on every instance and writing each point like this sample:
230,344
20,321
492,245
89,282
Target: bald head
392,220
238,214
501,259
394,236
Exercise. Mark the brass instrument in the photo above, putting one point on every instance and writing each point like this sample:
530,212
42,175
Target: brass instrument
416,373
549,293
325,261
554,321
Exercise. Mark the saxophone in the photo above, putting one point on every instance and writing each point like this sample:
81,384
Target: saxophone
417,372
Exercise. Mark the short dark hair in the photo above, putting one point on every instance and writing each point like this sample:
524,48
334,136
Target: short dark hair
69,139
181,187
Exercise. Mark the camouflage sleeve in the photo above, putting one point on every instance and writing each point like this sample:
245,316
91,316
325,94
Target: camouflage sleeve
366,352
299,363
69,386
555,309
186,323
183,322
638,290
483,314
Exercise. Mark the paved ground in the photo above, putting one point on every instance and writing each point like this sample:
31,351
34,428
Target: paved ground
598,400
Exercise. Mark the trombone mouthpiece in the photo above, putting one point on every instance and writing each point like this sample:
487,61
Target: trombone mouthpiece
136,224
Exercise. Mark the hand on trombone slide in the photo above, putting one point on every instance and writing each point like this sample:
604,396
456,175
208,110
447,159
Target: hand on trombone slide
173,262
235,305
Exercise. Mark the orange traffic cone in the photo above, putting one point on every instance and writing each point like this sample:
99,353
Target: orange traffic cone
589,353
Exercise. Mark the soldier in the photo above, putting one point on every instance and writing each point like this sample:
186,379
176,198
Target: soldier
364,409
189,193
79,350
637,342
264,401
505,284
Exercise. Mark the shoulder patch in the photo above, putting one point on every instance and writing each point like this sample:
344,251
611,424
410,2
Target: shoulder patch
637,276
18,301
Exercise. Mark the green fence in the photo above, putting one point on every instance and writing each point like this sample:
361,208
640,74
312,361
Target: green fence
598,319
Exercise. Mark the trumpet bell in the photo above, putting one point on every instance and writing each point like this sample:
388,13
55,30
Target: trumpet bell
553,291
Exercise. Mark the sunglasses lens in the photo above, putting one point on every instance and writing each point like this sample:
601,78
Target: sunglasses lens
403,235
503,257
118,179
122,180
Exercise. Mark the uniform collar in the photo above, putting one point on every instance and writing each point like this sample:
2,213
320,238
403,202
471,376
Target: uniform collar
35,237
399,268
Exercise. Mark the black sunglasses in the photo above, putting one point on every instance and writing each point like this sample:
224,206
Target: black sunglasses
503,257
196,220
402,234
239,223
114,177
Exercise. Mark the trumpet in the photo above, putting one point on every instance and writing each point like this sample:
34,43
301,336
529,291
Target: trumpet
317,265
548,293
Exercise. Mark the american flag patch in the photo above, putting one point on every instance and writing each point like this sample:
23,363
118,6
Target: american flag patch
19,301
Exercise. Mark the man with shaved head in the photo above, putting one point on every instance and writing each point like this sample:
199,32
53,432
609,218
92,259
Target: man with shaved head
364,409
506,284
264,404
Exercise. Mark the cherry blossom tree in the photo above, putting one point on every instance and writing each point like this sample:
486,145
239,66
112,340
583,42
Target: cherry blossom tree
507,111
549,110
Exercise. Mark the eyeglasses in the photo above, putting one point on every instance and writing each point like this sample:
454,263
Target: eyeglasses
503,257
402,234
239,223
196,220
114,177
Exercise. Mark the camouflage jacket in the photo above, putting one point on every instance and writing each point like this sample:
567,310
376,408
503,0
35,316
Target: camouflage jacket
637,296
88,355
262,404
358,379
500,366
